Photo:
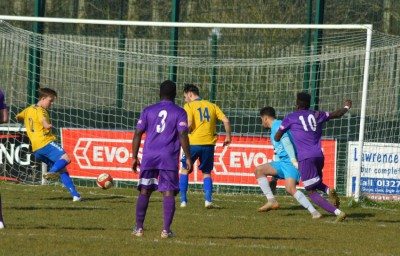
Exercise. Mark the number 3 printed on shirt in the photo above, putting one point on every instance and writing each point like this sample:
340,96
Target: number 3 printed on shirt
312,123
161,127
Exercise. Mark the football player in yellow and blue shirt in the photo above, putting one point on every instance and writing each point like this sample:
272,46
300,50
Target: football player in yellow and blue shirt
202,120
44,147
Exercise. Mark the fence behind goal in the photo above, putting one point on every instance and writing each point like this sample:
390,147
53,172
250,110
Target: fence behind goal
102,89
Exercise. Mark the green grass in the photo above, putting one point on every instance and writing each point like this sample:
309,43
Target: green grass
43,220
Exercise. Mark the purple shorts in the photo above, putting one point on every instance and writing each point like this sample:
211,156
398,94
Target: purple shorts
161,180
311,172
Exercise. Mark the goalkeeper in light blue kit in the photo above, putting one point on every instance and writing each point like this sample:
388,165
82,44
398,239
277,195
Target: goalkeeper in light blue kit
283,167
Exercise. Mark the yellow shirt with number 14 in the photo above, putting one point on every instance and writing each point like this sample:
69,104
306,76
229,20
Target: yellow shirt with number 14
203,116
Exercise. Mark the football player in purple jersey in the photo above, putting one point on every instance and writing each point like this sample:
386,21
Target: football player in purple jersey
166,128
306,129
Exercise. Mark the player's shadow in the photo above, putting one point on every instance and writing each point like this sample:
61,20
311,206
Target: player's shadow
238,237
41,227
360,216
56,208
102,198
97,198
293,208
388,221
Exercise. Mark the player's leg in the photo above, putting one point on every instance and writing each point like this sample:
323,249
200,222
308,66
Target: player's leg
292,178
147,184
69,184
184,177
290,186
273,184
206,166
1,215
169,186
333,196
309,169
142,204
61,160
55,157
261,172
41,156
168,213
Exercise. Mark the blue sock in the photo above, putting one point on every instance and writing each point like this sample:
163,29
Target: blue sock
69,184
58,165
183,186
207,186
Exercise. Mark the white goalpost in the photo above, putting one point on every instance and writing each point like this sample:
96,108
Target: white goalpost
239,73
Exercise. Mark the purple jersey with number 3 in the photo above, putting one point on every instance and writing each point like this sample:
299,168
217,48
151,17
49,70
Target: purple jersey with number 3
162,123
306,129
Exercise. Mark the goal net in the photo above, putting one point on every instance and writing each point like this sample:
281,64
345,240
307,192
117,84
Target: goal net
104,82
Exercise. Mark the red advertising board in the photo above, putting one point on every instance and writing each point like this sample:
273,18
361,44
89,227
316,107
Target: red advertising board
95,151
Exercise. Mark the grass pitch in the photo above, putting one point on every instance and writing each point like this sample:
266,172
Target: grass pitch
43,220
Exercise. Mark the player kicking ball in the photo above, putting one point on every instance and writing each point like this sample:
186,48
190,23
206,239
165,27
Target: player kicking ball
44,147
283,167
306,128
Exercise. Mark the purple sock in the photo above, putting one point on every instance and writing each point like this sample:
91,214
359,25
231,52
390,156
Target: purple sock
321,202
169,211
1,211
322,187
141,208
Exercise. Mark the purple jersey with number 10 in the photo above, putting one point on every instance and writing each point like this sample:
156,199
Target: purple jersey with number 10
162,123
306,129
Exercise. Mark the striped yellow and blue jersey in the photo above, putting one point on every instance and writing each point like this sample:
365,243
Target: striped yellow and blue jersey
203,116
37,134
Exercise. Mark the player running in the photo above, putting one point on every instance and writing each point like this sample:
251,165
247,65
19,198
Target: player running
44,147
202,119
306,128
283,167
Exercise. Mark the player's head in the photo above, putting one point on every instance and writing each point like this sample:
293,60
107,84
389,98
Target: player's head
268,115
168,90
190,92
46,97
303,100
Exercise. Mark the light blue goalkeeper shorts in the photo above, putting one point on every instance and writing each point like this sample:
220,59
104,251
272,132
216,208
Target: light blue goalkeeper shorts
285,170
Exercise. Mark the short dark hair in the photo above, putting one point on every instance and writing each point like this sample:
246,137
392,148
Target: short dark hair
191,88
45,92
168,90
303,100
268,111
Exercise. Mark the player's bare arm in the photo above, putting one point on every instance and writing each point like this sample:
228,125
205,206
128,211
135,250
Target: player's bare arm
278,135
288,146
19,117
340,112
228,130
184,140
46,124
4,116
135,149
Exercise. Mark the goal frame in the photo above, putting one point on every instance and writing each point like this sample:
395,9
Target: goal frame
367,27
